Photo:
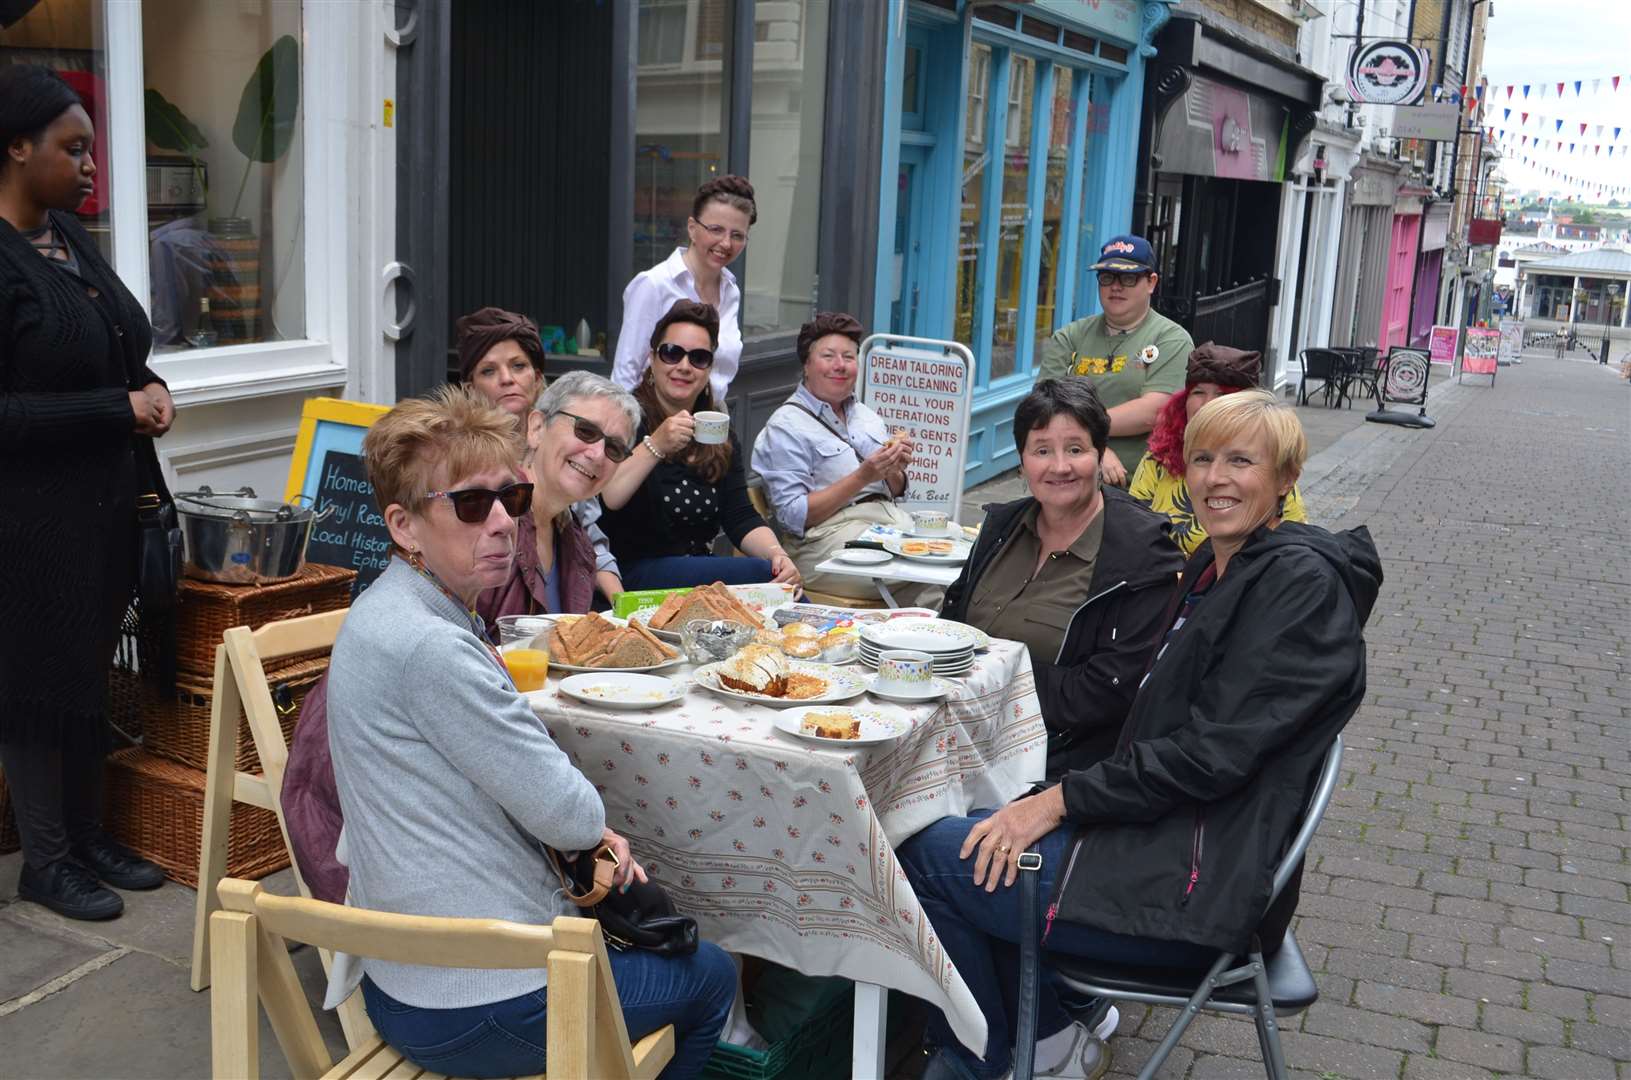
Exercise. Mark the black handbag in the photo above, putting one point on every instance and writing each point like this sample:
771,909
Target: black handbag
642,917
158,546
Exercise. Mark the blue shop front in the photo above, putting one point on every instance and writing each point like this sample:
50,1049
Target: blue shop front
1009,150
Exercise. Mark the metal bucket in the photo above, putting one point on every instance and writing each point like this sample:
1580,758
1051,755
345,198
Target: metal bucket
237,539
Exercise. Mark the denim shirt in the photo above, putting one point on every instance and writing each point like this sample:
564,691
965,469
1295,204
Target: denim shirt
795,455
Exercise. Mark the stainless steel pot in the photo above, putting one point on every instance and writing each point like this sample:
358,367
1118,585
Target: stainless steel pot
238,539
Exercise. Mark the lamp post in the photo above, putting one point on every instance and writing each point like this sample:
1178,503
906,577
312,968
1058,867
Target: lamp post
1610,291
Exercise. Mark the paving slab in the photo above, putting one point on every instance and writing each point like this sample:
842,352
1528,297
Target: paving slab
34,955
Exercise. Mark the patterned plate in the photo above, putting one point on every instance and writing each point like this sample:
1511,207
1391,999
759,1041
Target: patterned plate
946,552
842,684
938,636
876,727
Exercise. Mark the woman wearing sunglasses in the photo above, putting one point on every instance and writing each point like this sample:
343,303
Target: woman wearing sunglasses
721,214
501,357
447,780
664,508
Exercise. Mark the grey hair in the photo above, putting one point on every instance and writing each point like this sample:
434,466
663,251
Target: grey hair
583,384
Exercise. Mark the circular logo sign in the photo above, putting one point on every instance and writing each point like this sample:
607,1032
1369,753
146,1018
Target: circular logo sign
1387,73
1406,377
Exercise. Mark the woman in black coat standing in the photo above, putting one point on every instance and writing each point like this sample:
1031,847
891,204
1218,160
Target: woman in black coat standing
79,409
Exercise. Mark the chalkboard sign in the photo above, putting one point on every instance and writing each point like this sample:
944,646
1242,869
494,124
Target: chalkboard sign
353,535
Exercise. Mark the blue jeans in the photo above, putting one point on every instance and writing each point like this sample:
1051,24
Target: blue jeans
681,571
980,932
507,1038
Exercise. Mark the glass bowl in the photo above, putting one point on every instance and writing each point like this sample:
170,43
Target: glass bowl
708,641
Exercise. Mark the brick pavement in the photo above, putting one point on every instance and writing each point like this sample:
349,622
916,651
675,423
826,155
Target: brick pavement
1466,903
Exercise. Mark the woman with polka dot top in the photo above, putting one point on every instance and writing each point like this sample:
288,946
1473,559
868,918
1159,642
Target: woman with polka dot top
668,502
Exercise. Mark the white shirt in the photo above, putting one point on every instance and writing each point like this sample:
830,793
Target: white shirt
648,298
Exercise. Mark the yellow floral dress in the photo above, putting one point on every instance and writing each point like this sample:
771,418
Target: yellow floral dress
1167,494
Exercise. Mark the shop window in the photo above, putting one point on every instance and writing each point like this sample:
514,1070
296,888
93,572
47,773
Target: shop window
784,143
1016,181
1060,124
71,39
970,239
681,98
225,172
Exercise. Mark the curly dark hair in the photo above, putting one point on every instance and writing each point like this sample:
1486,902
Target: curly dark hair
688,311
825,323
732,190
1071,396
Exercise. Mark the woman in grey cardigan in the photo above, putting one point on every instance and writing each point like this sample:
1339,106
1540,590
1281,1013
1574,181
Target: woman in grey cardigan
447,779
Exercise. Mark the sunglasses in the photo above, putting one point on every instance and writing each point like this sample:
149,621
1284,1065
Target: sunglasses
588,431
1126,281
472,505
670,353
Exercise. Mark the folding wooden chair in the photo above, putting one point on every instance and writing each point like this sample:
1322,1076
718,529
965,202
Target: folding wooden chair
1255,986
241,686
586,1034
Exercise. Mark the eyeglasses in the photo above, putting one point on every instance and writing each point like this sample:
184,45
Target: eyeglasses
670,353
1126,281
719,232
472,505
590,432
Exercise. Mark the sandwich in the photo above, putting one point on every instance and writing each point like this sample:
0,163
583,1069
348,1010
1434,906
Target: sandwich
831,725
593,641
710,602
757,669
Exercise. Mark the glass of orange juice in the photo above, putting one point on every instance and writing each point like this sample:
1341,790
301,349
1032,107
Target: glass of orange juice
528,667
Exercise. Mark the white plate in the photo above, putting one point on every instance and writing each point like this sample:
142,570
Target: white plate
937,689
556,665
876,727
950,531
955,557
954,668
643,617
936,636
622,691
842,684
863,556
553,666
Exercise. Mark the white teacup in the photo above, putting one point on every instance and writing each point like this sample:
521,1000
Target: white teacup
712,428
903,672
929,521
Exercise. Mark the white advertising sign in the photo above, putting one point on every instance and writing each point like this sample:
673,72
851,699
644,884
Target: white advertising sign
925,387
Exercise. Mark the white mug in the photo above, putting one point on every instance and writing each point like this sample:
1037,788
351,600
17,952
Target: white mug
711,428
901,671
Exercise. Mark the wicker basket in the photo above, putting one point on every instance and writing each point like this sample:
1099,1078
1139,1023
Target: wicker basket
157,807
9,840
179,729
208,610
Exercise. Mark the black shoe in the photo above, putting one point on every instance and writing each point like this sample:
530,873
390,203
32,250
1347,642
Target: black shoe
116,864
70,890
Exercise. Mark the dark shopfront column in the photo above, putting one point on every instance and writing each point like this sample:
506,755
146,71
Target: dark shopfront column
1225,119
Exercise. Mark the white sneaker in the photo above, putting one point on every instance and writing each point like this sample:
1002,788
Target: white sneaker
1107,1026
1085,1056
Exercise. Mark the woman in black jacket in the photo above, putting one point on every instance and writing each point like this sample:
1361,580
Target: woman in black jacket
79,409
675,494
1164,852
1081,574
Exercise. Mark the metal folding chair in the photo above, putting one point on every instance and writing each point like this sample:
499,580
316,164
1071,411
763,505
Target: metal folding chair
1326,365
1263,988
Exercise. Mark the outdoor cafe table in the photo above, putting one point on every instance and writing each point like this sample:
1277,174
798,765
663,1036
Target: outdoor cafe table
784,849
895,570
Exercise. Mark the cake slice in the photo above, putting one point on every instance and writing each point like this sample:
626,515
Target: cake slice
757,669
831,725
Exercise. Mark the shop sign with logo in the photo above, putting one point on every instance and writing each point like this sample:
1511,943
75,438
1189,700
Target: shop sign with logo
1387,73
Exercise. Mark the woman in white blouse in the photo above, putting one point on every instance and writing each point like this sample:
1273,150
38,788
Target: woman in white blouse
721,214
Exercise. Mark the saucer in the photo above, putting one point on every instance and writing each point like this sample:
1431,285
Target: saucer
937,689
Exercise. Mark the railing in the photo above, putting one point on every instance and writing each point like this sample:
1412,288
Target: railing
1237,317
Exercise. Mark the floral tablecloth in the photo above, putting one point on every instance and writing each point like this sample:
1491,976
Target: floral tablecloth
783,848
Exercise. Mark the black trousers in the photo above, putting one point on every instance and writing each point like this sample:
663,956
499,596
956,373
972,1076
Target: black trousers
56,794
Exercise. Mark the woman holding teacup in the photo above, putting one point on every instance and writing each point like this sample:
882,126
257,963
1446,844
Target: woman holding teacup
685,480
831,467
1082,574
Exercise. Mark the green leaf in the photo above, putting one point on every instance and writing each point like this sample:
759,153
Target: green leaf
271,101
168,127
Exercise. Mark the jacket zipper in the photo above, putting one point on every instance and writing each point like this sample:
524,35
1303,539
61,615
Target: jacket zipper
1196,848
1053,908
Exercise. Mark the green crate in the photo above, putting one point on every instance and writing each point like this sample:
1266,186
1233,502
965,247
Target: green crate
630,602
819,1050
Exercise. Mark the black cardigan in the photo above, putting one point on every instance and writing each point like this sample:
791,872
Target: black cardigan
676,512
1088,689
70,469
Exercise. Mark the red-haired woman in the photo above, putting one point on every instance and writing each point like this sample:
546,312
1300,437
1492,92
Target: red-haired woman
1158,482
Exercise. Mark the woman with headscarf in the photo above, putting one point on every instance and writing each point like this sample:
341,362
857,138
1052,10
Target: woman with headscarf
1158,481
502,357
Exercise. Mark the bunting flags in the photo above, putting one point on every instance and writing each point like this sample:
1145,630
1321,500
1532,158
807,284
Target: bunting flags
1557,123
1562,88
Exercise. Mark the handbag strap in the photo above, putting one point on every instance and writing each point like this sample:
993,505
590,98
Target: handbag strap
596,891
1030,963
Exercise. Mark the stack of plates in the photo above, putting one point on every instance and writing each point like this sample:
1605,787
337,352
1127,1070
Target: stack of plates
952,644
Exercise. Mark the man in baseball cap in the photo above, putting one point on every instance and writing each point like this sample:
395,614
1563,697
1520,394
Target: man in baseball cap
1135,356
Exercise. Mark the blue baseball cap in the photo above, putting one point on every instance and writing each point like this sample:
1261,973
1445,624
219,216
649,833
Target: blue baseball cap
1129,254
